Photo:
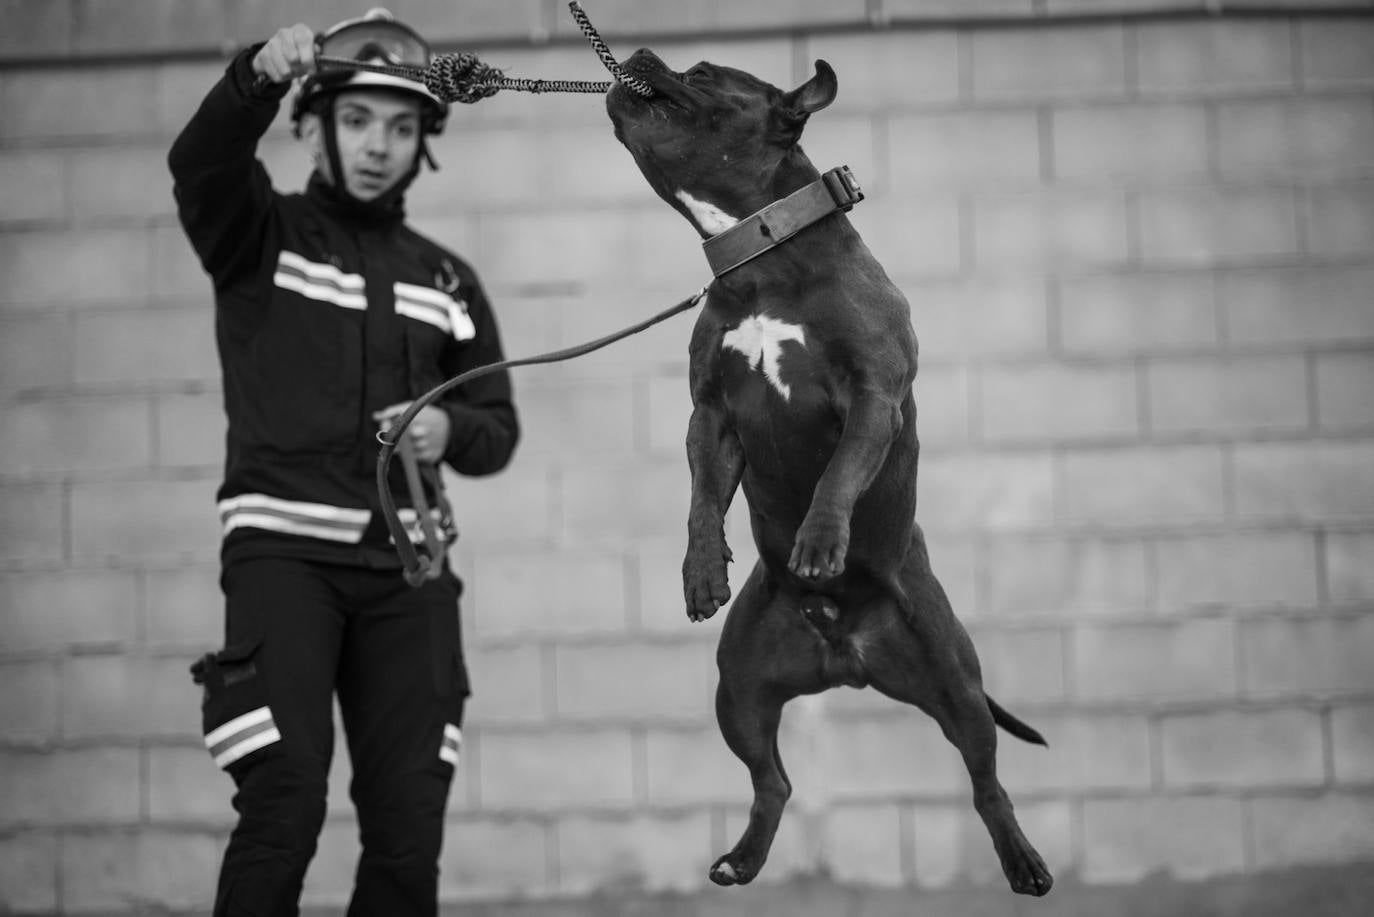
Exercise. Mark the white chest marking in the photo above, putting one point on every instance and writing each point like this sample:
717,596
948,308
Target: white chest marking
760,339
709,217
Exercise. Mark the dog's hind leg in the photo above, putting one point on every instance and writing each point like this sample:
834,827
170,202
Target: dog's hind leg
928,660
768,655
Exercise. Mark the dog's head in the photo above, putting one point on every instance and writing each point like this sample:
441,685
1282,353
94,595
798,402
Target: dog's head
715,142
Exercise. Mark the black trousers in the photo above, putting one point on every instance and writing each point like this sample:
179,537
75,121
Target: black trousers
297,633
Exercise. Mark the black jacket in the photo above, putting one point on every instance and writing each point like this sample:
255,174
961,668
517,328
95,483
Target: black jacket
325,313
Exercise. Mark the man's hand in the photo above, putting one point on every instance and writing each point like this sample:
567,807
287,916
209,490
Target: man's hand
428,432
288,54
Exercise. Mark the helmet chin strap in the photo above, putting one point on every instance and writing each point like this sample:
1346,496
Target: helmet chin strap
391,196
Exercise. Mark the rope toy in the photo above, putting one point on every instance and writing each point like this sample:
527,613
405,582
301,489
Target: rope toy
462,77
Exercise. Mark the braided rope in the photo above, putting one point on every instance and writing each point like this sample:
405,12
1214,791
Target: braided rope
463,77
602,51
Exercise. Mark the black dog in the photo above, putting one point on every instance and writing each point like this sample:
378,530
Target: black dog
802,363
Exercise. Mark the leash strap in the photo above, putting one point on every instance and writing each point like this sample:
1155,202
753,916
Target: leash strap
393,437
781,220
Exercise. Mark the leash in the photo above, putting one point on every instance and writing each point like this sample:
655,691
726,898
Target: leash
462,77
417,569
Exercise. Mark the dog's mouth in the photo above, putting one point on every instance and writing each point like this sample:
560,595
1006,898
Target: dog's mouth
670,87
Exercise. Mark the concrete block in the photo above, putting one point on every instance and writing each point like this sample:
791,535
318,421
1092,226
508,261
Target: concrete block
495,859
121,698
580,167
943,395
1173,483
556,246
509,684
655,852
177,277
33,187
1087,62
953,849
693,766
152,869
1349,573
74,266
1234,396
840,139
616,502
663,410
1304,480
35,352
863,844
1300,831
1129,143
971,148
638,680
115,520
516,507
138,347
915,237
797,13
1297,305
70,786
33,522
184,785
1188,837
1344,382
1188,58
1088,753
984,316
189,430
1224,750
1026,663
29,701
113,27
899,754
987,491
329,881
435,20
62,436
1300,658
39,28
508,600
660,607
1336,52
1188,660
583,418
28,872
1352,743
508,161
1215,226
898,69
1137,312
1058,401
1059,229
46,104
1089,578
562,769
183,607
45,612
1284,137
1340,220
121,183
1254,570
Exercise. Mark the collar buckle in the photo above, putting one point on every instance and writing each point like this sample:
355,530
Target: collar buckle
843,187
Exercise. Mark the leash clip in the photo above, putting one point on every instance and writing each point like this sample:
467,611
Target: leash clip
843,187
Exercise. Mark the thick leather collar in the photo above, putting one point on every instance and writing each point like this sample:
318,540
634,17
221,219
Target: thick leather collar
781,220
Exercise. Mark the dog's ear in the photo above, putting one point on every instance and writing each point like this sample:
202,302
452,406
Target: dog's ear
813,95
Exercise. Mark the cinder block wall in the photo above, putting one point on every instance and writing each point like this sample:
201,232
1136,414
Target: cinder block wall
1140,257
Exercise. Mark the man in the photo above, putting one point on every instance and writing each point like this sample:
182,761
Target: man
331,317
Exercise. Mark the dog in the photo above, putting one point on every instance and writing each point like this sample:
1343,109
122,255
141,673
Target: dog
801,369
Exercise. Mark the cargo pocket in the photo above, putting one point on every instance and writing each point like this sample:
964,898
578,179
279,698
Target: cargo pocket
450,672
235,716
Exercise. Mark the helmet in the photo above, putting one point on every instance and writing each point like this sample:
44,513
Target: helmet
376,37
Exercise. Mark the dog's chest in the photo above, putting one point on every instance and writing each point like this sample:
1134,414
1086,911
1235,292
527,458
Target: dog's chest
767,350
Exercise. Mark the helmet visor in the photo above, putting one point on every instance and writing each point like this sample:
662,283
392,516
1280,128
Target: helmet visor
375,39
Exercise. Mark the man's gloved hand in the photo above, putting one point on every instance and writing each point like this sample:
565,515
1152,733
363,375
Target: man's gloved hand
428,432
288,54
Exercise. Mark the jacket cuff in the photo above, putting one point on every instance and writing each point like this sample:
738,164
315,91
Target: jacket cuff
249,86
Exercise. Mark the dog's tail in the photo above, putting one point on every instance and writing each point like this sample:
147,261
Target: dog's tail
1014,726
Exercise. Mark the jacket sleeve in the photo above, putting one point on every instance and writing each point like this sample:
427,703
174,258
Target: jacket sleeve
483,427
222,191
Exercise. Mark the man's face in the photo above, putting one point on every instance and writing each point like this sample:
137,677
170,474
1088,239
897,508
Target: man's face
378,133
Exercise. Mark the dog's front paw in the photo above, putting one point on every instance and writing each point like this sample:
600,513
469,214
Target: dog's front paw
705,580
732,870
821,545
